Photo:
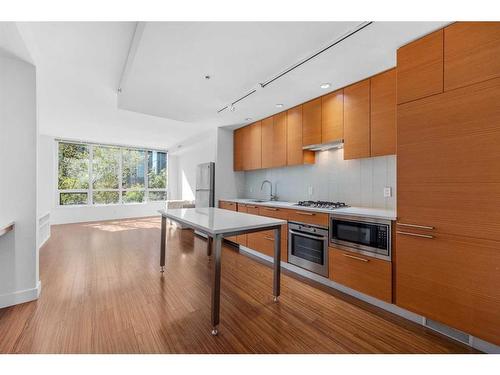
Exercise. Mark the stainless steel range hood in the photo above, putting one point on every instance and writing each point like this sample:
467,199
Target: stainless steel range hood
338,143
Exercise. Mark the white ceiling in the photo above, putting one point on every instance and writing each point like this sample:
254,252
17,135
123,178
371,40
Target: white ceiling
165,98
166,75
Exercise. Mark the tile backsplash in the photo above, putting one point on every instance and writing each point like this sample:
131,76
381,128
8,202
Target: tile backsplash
358,182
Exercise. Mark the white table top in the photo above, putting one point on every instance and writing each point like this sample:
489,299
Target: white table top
219,221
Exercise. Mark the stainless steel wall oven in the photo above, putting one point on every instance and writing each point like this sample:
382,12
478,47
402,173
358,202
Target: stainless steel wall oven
308,247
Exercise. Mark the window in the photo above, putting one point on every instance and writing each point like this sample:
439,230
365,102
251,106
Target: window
104,174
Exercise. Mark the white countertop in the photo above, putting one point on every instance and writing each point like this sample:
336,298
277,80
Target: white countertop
218,221
366,212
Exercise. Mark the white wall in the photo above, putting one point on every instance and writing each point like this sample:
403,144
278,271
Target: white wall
47,199
19,280
227,182
357,182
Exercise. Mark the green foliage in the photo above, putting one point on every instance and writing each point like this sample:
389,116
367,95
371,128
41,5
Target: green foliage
133,196
132,168
67,199
105,197
105,167
73,166
157,180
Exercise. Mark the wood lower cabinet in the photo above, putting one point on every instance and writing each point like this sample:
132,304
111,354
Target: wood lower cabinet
332,116
308,217
451,279
365,274
471,53
231,206
311,122
383,114
357,120
420,68
294,153
242,238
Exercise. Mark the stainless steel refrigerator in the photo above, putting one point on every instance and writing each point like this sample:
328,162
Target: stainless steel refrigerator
205,185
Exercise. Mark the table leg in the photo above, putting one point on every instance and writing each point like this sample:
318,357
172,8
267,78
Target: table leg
277,264
216,284
163,240
209,246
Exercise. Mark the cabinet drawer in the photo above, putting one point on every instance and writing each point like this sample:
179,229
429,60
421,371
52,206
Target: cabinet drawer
253,210
264,242
228,205
365,274
308,217
277,213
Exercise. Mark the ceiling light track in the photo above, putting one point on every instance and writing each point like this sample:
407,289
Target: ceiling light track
360,27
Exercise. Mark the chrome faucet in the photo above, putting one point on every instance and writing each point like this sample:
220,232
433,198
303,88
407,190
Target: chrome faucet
272,197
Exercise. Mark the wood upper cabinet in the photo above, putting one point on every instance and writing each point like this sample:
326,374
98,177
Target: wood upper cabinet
254,147
383,114
357,120
267,142
274,141
332,116
420,68
311,122
451,279
238,145
471,53
294,153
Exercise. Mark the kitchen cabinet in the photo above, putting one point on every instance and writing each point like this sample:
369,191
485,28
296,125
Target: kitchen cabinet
254,152
231,206
332,116
447,268
451,279
294,152
239,144
420,68
309,217
357,120
471,53
311,122
242,238
383,113
274,141
362,273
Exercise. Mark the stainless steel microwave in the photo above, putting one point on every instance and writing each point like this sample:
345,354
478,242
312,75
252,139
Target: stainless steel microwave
371,237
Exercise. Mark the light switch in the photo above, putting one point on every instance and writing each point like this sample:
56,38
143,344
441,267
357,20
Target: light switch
387,192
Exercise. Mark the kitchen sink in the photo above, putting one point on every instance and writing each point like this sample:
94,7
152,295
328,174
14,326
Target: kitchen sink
259,200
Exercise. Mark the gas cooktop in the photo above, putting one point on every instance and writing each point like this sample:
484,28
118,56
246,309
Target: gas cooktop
322,204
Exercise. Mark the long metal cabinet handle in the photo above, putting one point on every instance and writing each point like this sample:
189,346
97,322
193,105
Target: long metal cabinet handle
414,226
357,258
318,237
304,213
415,234
269,238
270,209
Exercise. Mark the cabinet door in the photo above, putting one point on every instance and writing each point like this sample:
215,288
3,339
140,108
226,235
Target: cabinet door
451,279
231,206
311,122
242,238
263,242
471,53
294,153
255,146
238,151
279,139
448,163
267,129
383,114
420,68
246,147
357,120
332,116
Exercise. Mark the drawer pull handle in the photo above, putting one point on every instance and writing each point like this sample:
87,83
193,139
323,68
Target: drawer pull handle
251,206
270,209
414,226
304,213
269,238
415,234
357,258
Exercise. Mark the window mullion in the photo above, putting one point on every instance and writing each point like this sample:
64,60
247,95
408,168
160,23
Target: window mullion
146,177
120,177
90,199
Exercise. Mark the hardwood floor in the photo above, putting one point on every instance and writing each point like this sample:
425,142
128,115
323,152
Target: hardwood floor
102,293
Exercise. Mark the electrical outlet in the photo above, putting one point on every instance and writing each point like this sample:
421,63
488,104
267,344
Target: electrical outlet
387,192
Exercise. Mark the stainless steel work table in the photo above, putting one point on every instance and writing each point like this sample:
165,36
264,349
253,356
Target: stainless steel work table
216,224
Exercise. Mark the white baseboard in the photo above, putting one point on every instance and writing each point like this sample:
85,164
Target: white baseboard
474,342
20,296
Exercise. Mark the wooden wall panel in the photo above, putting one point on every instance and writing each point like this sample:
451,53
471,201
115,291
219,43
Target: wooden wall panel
383,114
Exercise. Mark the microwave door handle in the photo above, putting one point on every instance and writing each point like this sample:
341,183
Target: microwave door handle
320,237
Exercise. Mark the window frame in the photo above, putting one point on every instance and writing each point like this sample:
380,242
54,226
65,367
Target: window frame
90,191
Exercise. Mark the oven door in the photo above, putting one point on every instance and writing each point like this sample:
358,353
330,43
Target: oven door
371,237
308,250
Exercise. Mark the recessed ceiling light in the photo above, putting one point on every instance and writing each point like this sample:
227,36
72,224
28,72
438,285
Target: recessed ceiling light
207,77
279,105
325,85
